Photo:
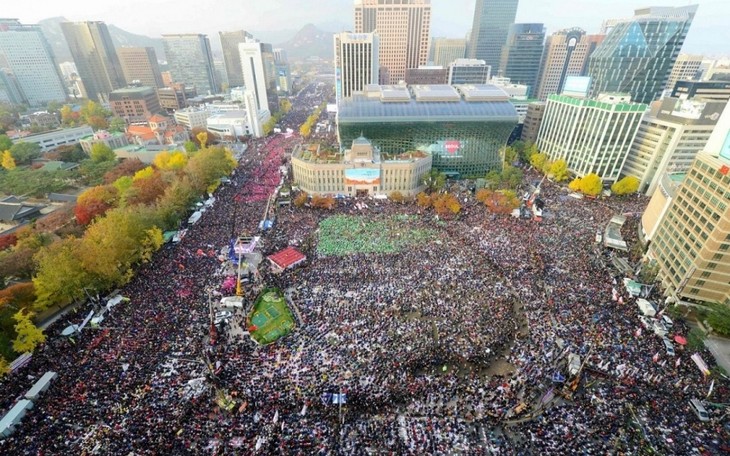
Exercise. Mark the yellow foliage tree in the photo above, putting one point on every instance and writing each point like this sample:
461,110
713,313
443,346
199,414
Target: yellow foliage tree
538,160
482,194
423,200
170,161
144,173
4,367
202,138
29,336
559,170
305,130
626,186
396,197
591,184
8,162
301,199
575,184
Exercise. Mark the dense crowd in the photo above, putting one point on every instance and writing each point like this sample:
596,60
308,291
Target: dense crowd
447,346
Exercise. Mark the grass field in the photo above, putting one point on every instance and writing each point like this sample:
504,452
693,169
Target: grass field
271,316
342,235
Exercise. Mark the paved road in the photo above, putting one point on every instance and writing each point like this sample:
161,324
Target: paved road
720,348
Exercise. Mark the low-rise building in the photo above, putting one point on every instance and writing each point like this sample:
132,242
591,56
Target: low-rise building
229,124
134,104
192,117
359,171
145,154
157,131
113,140
51,139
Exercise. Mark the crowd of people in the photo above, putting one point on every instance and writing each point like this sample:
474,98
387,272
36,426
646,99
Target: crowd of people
449,346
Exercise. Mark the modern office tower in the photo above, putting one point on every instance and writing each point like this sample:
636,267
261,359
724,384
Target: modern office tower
670,136
404,29
190,61
691,243
637,56
427,75
492,20
10,91
533,120
283,72
356,62
254,73
95,57
27,56
686,68
522,54
231,56
592,135
140,64
566,54
463,128
469,71
707,90
134,104
446,50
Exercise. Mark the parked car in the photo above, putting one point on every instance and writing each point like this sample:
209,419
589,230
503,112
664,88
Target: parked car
659,329
669,346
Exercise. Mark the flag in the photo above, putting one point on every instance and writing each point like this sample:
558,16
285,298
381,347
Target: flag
677,362
712,385
655,358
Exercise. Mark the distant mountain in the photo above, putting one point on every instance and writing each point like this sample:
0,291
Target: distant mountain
309,41
52,30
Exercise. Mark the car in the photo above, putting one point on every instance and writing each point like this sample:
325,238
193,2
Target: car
659,329
667,321
668,346
646,322
221,316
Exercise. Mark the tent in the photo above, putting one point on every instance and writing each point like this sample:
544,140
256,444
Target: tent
287,258
646,307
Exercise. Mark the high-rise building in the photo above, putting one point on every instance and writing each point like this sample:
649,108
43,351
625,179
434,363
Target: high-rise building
691,242
96,59
670,136
637,56
427,75
140,64
231,56
356,62
404,29
566,54
533,119
134,104
446,50
686,68
283,72
26,54
254,73
522,54
592,135
492,20
190,61
707,90
469,71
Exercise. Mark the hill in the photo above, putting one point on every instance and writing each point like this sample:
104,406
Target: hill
309,41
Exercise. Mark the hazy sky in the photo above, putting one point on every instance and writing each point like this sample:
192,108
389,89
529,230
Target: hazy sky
709,34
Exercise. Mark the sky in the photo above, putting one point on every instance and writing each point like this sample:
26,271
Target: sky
709,34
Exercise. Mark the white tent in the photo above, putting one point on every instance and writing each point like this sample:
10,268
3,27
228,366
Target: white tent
646,307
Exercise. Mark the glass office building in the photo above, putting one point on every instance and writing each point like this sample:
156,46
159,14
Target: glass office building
638,54
462,127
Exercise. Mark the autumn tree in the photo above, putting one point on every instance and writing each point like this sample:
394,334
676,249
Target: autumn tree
397,197
575,184
424,200
170,161
8,162
559,170
125,168
69,117
94,115
446,204
301,199
146,190
626,186
100,152
538,160
202,138
95,202
208,166
56,219
591,184
28,335
18,296
323,202
482,194
174,203
4,367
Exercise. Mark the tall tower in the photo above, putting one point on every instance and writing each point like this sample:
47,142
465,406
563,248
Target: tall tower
140,64
254,72
231,56
25,52
191,61
522,54
356,62
638,54
492,19
446,50
685,68
566,54
404,29
95,57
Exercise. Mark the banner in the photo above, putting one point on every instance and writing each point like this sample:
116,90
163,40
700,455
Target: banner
700,364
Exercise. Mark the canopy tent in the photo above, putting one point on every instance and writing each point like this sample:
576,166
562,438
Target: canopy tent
287,258
646,307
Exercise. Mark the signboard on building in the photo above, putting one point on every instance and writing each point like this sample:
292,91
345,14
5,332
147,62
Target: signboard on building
690,112
362,176
577,86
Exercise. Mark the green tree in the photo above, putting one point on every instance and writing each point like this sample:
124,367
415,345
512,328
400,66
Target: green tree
625,186
591,184
117,124
511,177
100,152
538,161
4,367
28,335
61,277
494,179
8,162
36,183
511,155
559,170
5,142
529,150
92,173
696,339
71,153
434,181
190,147
25,152
719,319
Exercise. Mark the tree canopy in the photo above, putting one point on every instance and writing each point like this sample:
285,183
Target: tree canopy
100,152
625,186
25,152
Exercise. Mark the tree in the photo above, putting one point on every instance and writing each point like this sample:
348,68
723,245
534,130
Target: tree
126,167
95,115
28,335
323,202
8,162
285,106
170,161
446,205
494,179
100,152
190,147
591,184
511,177
146,190
301,199
5,142
37,183
25,152
202,138
538,161
19,296
482,195
529,150
696,339
434,181
69,117
92,173
575,184
396,197
559,170
305,130
424,200
94,202
626,186
719,319
117,124
71,153
4,367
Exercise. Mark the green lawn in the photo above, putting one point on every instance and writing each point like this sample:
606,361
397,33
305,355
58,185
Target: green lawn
271,316
342,235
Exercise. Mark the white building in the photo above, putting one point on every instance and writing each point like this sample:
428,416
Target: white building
231,124
517,95
592,135
356,62
192,117
669,138
469,71
52,139
254,72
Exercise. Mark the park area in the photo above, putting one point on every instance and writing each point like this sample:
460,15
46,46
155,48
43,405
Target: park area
270,318
343,235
